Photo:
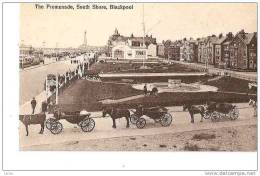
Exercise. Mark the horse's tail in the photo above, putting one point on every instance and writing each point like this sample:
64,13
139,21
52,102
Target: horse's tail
128,113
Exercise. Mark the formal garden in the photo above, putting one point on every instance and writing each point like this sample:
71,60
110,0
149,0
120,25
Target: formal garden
87,94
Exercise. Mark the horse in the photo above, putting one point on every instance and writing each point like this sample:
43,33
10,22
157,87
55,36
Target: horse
33,119
117,113
253,104
193,109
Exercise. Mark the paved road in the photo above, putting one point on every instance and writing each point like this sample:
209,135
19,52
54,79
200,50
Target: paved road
32,80
103,129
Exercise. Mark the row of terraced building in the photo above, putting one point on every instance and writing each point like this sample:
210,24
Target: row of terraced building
237,51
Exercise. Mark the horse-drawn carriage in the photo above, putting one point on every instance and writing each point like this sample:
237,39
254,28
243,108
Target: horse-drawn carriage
81,118
216,111
158,114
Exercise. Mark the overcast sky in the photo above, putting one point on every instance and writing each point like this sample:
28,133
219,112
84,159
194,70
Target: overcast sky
167,21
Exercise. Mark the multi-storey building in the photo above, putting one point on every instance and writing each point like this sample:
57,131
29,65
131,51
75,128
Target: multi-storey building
243,51
129,47
202,50
189,51
222,50
174,51
161,50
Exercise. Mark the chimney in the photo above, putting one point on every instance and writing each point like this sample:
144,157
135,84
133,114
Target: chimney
220,35
229,35
242,33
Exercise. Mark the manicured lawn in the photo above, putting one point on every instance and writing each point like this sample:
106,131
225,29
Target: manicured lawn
178,99
230,84
135,68
86,95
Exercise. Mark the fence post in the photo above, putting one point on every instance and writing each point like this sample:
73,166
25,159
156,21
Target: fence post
57,89
46,88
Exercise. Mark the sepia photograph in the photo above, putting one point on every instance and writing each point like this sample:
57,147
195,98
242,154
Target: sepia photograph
137,77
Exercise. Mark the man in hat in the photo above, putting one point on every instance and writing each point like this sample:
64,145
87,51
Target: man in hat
33,103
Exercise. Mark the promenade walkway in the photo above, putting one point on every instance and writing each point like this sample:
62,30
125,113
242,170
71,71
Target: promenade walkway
109,101
250,76
124,75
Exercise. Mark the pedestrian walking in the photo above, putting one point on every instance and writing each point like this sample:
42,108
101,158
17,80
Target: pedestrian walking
33,104
145,89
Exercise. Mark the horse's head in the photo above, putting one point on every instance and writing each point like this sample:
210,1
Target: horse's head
106,111
251,102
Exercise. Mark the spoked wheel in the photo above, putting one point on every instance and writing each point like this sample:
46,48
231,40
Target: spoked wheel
140,123
80,123
133,118
49,122
166,120
206,115
234,114
87,125
56,127
215,116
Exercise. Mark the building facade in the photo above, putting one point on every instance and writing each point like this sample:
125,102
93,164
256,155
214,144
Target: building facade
161,50
243,51
122,47
202,50
174,52
222,50
189,51
152,51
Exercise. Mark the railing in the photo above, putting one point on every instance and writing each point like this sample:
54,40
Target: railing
65,80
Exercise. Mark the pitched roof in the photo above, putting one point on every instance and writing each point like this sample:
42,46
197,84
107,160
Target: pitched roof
227,42
246,37
220,40
140,39
212,39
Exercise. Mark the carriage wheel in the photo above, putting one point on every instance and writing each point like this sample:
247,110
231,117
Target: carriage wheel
140,123
79,124
206,115
215,116
56,128
234,113
166,120
49,122
133,118
87,125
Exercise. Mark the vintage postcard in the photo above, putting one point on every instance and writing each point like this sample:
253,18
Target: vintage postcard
137,82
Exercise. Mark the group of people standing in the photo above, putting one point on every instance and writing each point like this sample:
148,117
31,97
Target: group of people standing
154,91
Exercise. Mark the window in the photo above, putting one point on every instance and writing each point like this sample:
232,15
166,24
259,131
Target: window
139,53
244,52
253,54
